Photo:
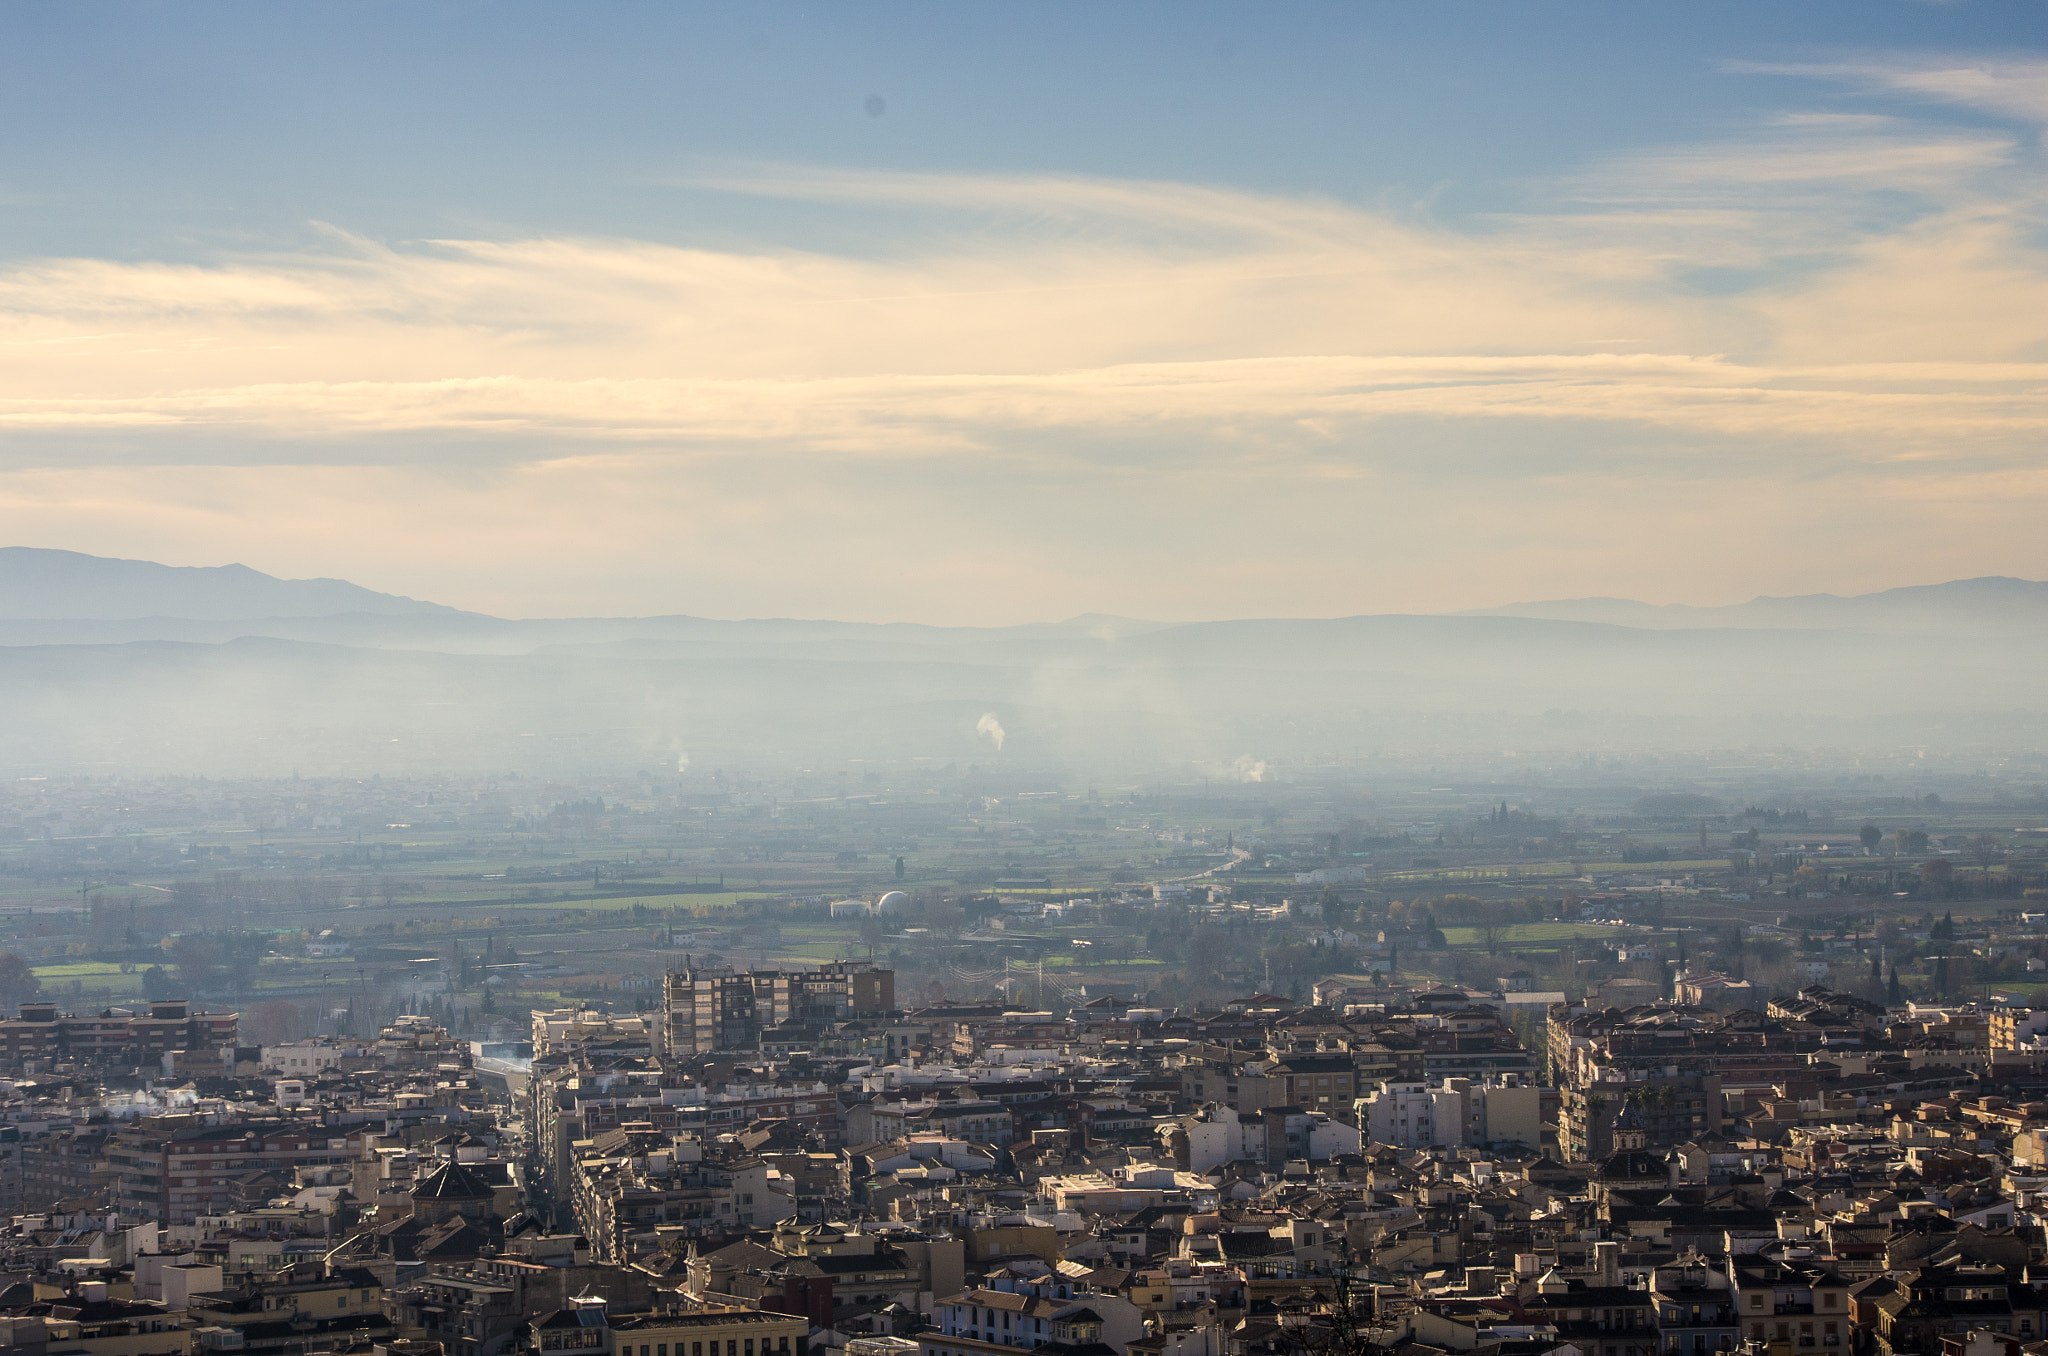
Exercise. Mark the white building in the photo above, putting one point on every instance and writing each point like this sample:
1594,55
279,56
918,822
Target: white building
556,1029
327,946
895,901
1223,1134
1405,1115
304,1059
1329,1137
1228,1136
1460,1113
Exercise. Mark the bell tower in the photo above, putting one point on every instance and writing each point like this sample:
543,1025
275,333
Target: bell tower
1629,1131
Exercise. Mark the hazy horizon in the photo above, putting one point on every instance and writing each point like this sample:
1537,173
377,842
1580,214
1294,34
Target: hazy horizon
1218,387
1500,607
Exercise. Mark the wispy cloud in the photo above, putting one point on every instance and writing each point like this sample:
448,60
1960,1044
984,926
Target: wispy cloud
902,415
2013,89
1300,312
1723,317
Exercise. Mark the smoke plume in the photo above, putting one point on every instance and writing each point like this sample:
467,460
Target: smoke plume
993,728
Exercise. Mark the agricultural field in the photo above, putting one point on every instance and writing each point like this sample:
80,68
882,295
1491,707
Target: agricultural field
78,970
1522,934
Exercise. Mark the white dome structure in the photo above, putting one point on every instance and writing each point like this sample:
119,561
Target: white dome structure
891,902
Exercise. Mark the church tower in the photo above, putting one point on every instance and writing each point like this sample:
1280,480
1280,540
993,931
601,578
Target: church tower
1630,1133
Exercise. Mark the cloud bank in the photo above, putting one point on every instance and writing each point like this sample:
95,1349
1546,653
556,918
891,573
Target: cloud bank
1827,328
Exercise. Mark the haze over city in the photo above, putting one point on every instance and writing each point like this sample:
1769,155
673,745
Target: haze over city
963,680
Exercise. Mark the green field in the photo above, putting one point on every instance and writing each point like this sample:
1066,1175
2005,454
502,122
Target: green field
657,904
79,970
1518,934
1518,871
1593,861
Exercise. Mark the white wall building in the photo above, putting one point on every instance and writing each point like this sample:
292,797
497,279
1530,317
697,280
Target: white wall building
304,1059
1404,1115
1231,1135
1330,1138
1459,1112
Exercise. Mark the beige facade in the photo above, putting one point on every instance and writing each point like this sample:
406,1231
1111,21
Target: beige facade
721,1332
1793,1313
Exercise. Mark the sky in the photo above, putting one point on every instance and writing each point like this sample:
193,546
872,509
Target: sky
978,314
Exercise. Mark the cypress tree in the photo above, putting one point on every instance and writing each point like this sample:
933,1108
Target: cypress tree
1893,993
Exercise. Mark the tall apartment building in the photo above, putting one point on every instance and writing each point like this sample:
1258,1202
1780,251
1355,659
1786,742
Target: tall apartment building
2014,1027
1672,1111
41,1036
723,1009
65,1166
174,1169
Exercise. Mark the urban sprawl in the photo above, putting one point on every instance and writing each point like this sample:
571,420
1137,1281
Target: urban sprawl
926,1061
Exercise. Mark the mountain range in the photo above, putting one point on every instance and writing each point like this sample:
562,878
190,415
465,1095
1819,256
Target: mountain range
43,585
118,665
49,596
1958,605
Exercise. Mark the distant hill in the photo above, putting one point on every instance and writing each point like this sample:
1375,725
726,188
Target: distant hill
127,665
40,585
1988,604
